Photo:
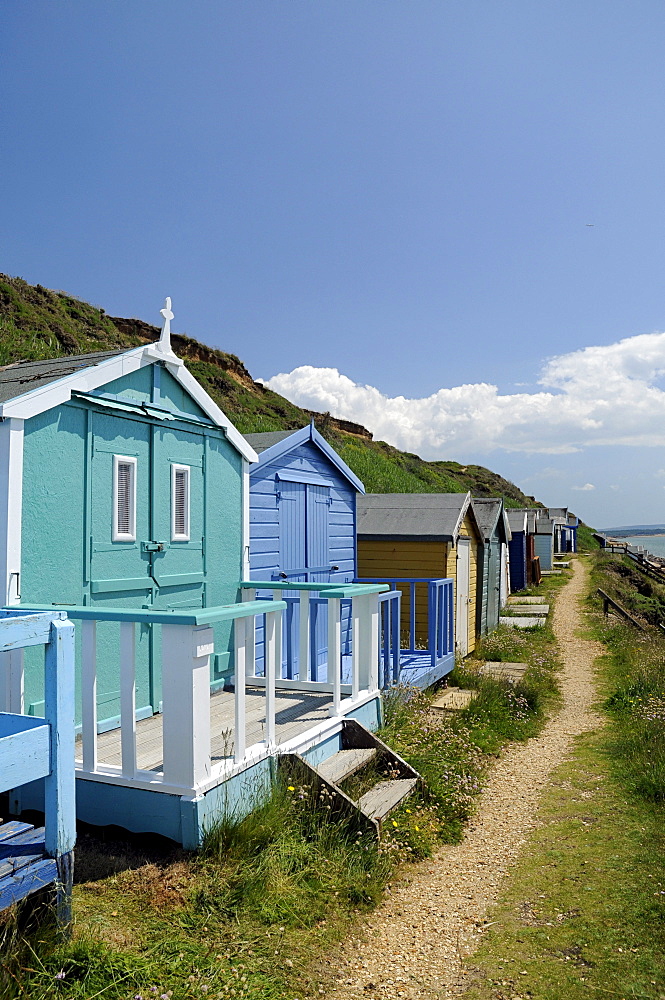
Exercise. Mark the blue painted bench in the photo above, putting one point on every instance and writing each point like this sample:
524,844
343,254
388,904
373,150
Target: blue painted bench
32,749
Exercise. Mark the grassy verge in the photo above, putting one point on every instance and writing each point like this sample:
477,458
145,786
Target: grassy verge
584,912
257,913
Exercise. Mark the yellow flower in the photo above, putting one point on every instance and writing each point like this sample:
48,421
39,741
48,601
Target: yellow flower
290,788
408,810
418,829
394,824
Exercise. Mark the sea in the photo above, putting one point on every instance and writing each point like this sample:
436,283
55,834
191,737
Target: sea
652,543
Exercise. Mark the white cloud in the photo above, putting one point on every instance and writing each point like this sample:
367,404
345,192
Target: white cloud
594,396
587,486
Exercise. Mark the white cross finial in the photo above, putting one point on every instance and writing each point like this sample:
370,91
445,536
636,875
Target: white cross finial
165,339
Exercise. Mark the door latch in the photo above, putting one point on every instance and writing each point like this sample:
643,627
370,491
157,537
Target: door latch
153,546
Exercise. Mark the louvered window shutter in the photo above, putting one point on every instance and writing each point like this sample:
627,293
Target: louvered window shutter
180,503
124,499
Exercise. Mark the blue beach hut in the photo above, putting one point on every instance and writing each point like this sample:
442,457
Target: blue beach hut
302,512
517,548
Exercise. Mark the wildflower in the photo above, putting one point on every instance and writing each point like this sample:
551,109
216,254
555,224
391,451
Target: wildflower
60,975
290,788
394,824
418,829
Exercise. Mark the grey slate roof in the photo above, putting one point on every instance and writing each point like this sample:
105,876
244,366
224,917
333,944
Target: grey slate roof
24,376
487,513
516,519
261,442
411,516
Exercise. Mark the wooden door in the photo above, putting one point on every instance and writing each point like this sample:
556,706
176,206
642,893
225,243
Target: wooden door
462,604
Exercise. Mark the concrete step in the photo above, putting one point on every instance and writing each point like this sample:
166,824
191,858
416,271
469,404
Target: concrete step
529,609
560,565
551,572
518,622
503,671
524,600
344,763
453,699
380,800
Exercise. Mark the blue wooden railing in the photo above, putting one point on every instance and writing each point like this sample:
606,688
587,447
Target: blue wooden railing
440,619
32,749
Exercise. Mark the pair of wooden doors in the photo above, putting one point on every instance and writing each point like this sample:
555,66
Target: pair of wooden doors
304,556
146,545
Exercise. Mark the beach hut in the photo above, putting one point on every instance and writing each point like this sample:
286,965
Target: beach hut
424,537
492,562
544,546
125,502
302,511
518,523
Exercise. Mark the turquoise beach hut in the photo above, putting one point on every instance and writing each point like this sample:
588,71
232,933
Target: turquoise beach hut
125,504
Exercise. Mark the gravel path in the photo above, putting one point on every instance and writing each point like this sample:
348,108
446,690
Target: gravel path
415,944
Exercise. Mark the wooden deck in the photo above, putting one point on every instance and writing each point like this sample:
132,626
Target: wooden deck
296,712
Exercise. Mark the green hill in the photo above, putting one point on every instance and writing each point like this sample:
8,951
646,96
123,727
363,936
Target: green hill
36,322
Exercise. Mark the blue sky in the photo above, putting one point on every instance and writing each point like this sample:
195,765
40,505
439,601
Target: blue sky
417,196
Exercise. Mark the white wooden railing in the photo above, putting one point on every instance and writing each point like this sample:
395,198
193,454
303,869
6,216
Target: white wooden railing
188,642
363,638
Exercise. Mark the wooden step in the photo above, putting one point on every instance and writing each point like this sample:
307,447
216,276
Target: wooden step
345,763
23,849
13,828
385,796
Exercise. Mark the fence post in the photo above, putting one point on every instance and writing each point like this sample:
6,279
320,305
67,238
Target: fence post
240,654
186,652
273,656
250,628
303,636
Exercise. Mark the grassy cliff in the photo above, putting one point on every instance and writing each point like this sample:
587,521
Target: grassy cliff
36,322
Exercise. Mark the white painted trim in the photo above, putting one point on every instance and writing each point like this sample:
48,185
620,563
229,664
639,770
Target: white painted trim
185,535
86,379
245,521
11,508
116,534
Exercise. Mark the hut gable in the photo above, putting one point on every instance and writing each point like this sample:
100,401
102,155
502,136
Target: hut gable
302,509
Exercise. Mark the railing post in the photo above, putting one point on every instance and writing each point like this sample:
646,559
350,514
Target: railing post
396,637
412,612
356,646
186,652
89,694
128,698
335,653
373,640
273,656
12,687
59,790
303,637
277,596
240,740
250,628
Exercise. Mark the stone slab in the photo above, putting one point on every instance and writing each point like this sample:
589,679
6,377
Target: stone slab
551,572
503,671
519,622
524,600
529,609
560,565
453,699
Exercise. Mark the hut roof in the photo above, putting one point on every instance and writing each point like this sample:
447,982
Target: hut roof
517,519
23,376
261,442
28,388
412,516
490,517
273,445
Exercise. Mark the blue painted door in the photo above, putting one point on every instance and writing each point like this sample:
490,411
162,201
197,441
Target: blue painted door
305,555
